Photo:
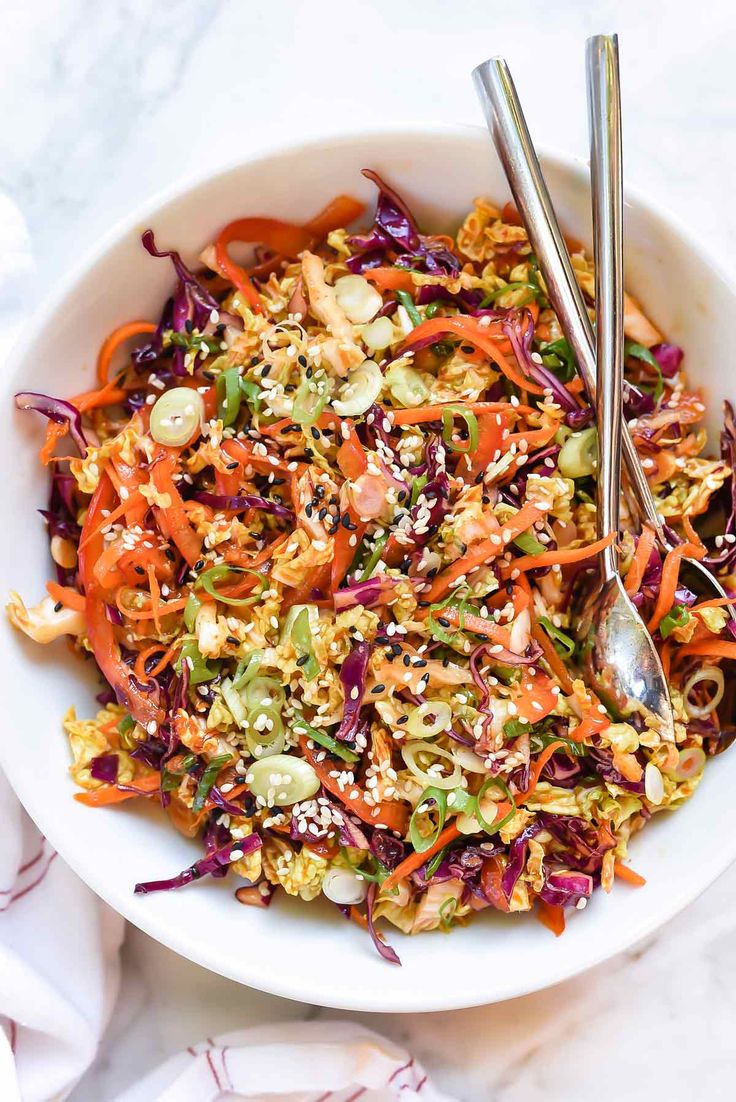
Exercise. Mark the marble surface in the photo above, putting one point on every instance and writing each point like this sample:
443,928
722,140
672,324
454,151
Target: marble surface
102,105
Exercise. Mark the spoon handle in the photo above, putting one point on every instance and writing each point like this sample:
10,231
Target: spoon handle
508,128
604,118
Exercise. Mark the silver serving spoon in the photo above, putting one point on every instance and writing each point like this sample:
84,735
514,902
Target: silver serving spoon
618,652
621,658
510,133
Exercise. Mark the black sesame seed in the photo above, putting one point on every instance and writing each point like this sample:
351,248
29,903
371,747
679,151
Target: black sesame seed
302,360
402,719
232,640
396,648
315,432
479,477
322,513
198,564
308,509
467,348
139,570
406,660
420,662
232,466
169,554
446,661
309,452
58,606
319,492
445,623
189,325
423,604
378,689
303,660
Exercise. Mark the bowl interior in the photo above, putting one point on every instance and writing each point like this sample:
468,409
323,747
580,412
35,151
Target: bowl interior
299,951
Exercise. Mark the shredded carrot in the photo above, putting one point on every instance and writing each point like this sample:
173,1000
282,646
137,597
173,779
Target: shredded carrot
110,519
484,551
668,584
155,591
111,344
693,537
391,279
640,561
418,415
392,815
414,860
165,607
562,556
282,238
623,872
536,767
91,399
110,794
552,658
470,329
167,653
551,916
718,648
359,918
65,595
714,602
468,621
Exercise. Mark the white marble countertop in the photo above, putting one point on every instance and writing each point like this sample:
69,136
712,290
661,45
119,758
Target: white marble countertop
103,104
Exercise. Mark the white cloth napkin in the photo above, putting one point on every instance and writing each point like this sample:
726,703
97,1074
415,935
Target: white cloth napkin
59,949
291,1062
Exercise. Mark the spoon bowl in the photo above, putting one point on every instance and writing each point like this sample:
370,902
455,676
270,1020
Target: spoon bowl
620,660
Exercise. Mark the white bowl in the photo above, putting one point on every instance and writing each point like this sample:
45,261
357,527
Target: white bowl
304,951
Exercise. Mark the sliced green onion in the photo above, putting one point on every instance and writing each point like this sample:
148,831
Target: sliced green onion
639,352
176,416
263,692
247,668
429,719
416,488
359,391
419,842
301,727
252,394
677,617
406,385
563,643
540,739
462,801
435,863
493,782
207,581
376,553
411,751
493,295
199,669
512,728
432,308
301,637
442,349
578,456
191,608
282,780
271,739
529,544
376,877
408,303
310,400
208,779
447,912
557,356
127,723
227,389
125,727
471,421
